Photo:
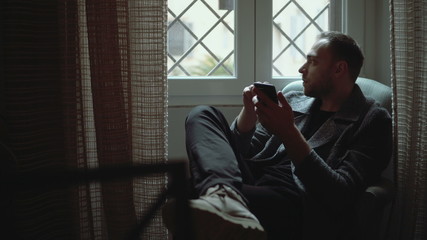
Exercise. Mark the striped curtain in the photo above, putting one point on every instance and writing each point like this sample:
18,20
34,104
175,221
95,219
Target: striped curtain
84,86
409,84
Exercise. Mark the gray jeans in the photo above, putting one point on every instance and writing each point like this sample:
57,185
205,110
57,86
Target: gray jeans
215,159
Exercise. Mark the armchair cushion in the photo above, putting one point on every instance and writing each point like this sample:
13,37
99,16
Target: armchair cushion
370,88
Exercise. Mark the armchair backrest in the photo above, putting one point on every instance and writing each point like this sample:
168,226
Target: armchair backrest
370,88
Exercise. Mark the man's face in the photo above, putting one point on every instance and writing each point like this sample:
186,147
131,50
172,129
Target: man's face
317,70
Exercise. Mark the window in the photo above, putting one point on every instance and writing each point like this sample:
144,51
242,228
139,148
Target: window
295,26
179,40
217,47
208,48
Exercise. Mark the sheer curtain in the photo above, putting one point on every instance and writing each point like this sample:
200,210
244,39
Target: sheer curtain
84,86
409,84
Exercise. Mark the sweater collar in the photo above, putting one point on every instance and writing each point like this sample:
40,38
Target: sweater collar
350,110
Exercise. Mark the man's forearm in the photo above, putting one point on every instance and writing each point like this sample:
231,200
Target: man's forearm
296,145
246,120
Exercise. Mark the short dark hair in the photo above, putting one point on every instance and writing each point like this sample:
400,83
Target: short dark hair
345,48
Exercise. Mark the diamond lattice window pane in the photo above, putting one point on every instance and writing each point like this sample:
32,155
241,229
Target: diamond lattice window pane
201,38
179,6
296,23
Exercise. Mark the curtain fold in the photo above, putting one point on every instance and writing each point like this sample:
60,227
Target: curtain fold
107,34
115,51
30,92
409,83
83,86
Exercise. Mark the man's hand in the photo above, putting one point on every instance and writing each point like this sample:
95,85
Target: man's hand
247,118
248,94
278,119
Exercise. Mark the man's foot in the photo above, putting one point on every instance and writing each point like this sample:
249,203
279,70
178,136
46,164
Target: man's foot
219,214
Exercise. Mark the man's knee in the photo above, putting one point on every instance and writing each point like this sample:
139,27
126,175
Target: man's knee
202,112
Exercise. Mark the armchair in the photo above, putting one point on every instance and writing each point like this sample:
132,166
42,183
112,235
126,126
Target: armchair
376,197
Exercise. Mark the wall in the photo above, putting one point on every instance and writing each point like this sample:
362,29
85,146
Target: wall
382,42
368,23
375,28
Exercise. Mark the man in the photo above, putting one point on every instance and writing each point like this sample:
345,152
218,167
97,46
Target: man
280,166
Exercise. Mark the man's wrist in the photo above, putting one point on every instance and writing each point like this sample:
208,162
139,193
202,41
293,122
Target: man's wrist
296,145
246,121
289,133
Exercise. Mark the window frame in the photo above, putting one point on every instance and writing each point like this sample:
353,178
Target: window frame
190,91
222,90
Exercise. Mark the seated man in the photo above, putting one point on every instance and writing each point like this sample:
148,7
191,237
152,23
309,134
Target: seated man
313,152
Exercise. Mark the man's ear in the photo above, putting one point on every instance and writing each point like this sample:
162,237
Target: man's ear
341,67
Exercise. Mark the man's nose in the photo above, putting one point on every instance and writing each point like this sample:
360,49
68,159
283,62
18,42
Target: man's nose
301,69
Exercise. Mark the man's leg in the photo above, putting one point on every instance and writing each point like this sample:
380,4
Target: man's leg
279,212
214,158
219,212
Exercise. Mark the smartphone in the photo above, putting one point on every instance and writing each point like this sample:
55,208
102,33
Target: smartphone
268,89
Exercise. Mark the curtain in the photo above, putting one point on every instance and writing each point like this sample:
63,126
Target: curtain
83,86
409,84
30,76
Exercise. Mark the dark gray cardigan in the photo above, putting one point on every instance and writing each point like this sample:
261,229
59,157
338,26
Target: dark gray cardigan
350,150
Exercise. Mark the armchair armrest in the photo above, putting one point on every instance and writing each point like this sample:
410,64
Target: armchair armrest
382,191
371,208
